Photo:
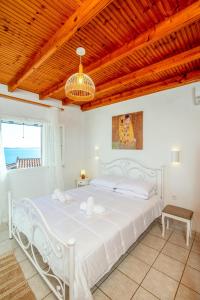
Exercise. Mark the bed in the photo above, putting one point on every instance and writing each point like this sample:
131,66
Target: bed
79,250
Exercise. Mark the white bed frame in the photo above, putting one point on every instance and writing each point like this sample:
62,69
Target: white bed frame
130,168
52,245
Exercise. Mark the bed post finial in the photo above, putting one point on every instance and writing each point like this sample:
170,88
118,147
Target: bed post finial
71,244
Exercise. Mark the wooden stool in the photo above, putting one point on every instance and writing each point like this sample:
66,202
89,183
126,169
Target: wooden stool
180,214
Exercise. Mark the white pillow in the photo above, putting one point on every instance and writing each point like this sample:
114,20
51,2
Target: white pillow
133,194
138,186
109,181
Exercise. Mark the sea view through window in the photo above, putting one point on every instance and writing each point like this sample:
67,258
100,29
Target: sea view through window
22,145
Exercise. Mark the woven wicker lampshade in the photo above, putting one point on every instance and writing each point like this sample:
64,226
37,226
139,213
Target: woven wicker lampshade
79,86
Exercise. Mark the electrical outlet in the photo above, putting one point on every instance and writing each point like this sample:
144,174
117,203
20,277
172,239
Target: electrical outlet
174,197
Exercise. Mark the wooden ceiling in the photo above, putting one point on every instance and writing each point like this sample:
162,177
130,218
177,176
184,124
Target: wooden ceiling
133,47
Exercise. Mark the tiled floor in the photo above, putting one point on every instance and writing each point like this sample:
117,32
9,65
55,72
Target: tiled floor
156,268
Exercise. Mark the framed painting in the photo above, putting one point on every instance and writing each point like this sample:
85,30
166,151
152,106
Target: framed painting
127,131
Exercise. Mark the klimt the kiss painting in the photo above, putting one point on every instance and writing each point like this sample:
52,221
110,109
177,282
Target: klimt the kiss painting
127,131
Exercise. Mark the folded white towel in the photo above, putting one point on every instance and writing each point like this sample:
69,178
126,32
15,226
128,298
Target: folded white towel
90,201
58,195
99,209
90,208
83,206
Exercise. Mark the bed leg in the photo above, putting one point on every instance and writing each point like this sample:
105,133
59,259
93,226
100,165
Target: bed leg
167,223
10,215
163,225
188,233
71,245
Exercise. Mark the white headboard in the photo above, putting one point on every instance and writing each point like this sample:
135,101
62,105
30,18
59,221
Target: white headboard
133,169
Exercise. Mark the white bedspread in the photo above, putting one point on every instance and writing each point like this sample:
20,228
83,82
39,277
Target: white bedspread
100,239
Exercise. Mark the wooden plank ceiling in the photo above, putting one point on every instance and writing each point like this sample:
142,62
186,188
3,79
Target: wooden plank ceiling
133,47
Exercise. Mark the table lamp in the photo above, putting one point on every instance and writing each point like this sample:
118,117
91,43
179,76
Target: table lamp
83,174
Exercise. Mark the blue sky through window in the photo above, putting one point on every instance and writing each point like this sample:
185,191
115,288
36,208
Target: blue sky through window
22,141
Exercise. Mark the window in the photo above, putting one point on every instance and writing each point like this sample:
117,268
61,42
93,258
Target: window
22,145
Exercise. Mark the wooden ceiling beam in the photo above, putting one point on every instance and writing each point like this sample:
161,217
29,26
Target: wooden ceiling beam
163,65
145,90
83,15
67,101
172,24
58,87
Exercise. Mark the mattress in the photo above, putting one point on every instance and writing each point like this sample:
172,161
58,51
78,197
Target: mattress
100,239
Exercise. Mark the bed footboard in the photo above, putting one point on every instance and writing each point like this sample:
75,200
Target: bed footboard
30,229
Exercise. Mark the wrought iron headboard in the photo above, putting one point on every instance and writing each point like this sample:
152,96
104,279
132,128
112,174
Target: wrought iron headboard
133,169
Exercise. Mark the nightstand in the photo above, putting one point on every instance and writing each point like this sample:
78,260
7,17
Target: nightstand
82,182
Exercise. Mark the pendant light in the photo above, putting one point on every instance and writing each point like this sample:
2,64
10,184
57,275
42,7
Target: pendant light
79,86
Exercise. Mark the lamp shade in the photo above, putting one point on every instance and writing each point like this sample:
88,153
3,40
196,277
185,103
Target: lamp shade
79,86
83,174
96,150
175,156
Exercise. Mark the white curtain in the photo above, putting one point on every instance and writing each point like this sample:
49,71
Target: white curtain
3,184
51,152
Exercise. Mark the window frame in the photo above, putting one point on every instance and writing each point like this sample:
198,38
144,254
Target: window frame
25,123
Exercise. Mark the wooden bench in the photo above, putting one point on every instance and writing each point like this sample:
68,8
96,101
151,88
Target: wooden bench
180,214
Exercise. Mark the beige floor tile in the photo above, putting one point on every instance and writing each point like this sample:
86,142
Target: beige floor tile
3,227
4,235
194,260
134,268
41,262
51,296
153,242
103,278
7,246
184,229
177,225
142,294
179,238
191,278
19,254
118,286
196,246
27,268
157,231
98,295
94,289
145,253
171,267
14,243
176,252
186,294
197,236
39,287
160,285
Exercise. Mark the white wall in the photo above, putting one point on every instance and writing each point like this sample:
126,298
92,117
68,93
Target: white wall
22,110
73,120
28,96
170,119
28,182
